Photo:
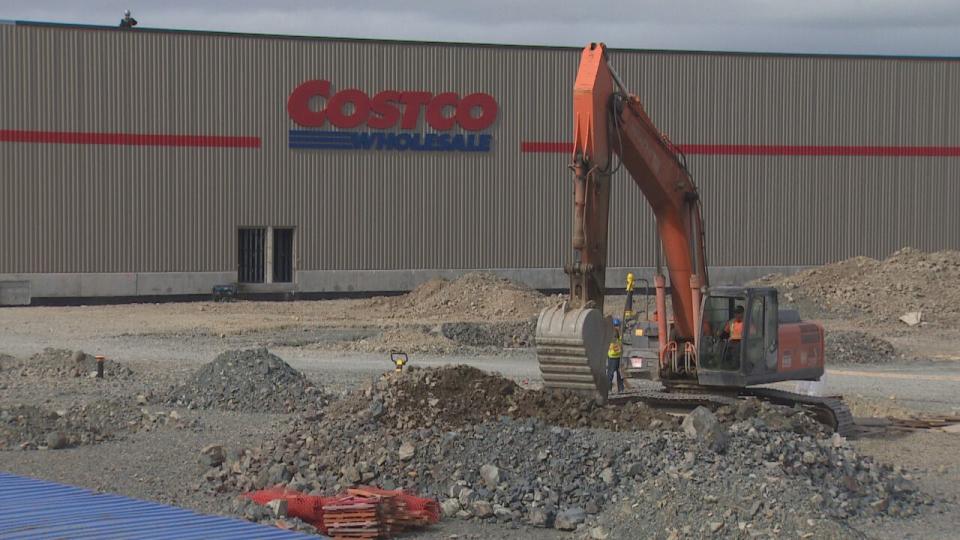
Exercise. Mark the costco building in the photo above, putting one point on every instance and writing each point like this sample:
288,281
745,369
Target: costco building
152,162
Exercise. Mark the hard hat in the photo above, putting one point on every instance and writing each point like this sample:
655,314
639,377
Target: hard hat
126,13
616,321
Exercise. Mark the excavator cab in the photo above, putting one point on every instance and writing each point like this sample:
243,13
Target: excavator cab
726,360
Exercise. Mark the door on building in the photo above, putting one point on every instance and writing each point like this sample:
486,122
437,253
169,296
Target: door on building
250,254
282,255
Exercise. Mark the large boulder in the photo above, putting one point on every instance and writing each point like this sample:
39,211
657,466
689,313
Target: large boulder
702,425
490,475
569,519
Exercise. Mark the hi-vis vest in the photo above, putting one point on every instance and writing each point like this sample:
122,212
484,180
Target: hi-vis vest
615,350
736,330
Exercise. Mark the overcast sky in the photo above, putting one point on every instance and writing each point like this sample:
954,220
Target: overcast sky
916,27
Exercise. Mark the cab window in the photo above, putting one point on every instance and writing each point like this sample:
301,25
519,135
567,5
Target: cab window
716,349
755,327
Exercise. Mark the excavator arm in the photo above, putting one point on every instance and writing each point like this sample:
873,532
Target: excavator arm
610,122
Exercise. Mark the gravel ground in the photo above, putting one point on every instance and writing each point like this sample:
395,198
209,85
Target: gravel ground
161,463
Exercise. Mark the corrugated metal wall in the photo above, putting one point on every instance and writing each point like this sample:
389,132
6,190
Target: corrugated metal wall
100,208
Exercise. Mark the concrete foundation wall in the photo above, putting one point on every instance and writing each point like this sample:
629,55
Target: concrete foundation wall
119,284
331,281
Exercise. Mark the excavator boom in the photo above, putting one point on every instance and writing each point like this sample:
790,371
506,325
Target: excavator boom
609,123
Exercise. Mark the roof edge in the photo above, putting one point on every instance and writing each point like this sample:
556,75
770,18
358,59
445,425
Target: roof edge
297,37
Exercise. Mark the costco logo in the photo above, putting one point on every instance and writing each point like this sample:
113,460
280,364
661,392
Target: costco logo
390,120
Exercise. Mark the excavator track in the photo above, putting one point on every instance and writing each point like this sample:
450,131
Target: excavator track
673,401
829,411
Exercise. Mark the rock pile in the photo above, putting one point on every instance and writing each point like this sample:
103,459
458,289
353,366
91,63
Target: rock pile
517,468
250,380
767,484
881,291
60,363
476,296
857,348
527,473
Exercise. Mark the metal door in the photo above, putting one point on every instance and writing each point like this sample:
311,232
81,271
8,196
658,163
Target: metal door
282,255
250,255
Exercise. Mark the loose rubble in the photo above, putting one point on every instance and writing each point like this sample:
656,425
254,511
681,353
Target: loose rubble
28,427
62,363
881,291
409,339
251,380
499,335
6,362
855,347
459,435
445,338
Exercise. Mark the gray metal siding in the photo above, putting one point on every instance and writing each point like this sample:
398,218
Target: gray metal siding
98,208
35,509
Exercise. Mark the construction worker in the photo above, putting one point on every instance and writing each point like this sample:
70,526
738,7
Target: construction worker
127,21
733,330
614,353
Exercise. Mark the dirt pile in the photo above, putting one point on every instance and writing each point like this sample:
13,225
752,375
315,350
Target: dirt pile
475,296
880,291
857,348
63,363
446,397
29,427
451,397
250,380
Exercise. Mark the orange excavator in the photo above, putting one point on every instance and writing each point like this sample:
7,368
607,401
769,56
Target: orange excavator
720,341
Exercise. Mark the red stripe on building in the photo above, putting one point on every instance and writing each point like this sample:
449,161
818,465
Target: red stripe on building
771,149
127,139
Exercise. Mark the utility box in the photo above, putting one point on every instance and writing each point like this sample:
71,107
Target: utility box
15,293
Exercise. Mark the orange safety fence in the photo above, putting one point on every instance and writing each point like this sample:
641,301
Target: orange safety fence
366,512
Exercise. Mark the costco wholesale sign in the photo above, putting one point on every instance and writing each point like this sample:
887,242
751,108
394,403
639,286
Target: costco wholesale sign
389,120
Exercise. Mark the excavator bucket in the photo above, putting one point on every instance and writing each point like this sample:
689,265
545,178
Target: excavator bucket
572,350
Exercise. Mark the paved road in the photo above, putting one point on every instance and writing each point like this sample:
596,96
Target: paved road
930,386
